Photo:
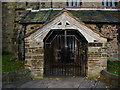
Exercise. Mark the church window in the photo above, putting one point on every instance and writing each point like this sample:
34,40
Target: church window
74,3
109,3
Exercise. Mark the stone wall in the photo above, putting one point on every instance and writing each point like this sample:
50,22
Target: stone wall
34,51
110,79
45,5
16,76
11,11
20,5
96,5
119,44
97,59
34,57
38,5
109,30
8,16
83,5
35,54
59,5
33,5
32,27
92,4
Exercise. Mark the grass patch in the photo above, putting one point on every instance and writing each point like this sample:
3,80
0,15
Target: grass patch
114,67
9,66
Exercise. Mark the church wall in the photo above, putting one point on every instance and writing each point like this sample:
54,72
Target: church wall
20,5
59,5
33,5
34,52
97,59
119,44
92,4
45,5
38,5
34,57
109,30
32,27
12,10
8,26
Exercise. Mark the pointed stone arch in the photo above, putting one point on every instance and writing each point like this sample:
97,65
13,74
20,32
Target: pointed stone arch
65,53
64,18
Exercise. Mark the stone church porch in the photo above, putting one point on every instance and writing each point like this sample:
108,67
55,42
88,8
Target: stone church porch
96,54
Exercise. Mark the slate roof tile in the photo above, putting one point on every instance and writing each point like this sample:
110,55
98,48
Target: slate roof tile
85,16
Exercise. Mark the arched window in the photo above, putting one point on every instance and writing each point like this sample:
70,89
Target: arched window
74,3
109,3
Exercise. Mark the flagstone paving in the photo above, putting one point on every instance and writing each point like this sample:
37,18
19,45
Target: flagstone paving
59,83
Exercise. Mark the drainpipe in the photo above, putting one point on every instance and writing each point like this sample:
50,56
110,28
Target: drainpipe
24,31
21,46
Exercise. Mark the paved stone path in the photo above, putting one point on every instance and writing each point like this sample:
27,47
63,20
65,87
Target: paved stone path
59,83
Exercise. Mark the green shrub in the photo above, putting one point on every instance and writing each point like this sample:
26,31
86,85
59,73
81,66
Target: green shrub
114,67
8,66
6,53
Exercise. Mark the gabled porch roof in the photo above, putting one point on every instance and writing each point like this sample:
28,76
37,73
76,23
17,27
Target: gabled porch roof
63,17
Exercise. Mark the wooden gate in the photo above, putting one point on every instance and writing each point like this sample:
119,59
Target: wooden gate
65,53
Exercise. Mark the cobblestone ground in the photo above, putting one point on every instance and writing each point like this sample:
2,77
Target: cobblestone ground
59,83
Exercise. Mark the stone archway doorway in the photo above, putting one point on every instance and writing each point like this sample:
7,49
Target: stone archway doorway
65,53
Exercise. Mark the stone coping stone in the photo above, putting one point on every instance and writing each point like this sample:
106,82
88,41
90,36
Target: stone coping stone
109,78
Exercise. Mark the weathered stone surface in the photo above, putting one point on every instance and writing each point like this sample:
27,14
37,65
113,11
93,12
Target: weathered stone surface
34,57
110,78
109,30
8,26
17,76
35,51
97,60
